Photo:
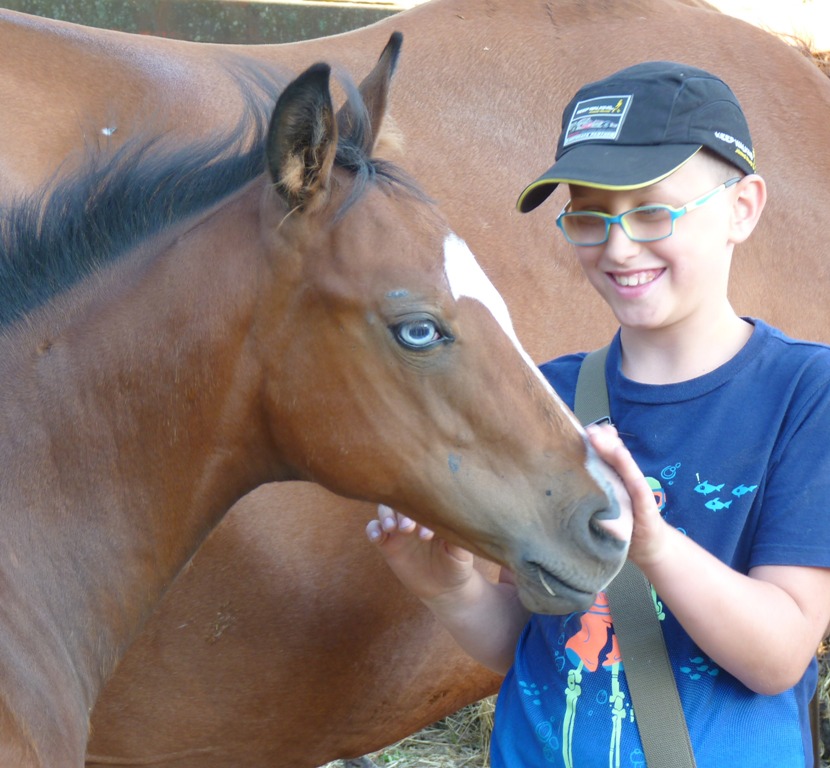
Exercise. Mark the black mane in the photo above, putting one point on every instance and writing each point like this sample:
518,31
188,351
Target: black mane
98,214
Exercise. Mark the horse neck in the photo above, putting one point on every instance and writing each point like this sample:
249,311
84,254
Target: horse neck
140,422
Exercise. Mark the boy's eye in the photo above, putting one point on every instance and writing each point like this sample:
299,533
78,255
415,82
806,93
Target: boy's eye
650,211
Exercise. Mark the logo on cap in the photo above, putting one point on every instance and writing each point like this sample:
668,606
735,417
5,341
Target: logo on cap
741,149
598,118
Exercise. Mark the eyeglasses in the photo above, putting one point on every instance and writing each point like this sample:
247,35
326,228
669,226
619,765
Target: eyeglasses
642,225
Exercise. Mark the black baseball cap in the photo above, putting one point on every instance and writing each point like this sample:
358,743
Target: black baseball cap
641,124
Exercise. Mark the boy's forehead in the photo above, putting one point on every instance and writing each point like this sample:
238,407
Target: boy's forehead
688,175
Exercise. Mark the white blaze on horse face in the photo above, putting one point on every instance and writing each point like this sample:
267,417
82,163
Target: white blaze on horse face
467,278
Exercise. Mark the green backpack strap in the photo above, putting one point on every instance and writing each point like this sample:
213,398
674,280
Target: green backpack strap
591,402
651,682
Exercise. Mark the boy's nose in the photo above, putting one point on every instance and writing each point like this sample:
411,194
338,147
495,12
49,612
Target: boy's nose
619,245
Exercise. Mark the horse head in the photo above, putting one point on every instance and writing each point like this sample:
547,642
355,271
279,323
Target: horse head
391,366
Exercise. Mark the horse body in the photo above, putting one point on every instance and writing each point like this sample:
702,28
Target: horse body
262,653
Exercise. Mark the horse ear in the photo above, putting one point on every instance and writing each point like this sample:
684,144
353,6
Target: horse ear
374,91
302,139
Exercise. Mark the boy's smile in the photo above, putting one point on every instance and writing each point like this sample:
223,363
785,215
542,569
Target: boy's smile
632,280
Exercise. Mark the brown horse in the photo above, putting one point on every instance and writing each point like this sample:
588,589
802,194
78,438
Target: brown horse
322,323
219,673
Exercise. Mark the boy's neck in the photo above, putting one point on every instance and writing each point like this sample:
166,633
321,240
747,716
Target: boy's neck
682,352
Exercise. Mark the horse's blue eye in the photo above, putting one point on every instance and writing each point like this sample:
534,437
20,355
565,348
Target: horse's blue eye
418,334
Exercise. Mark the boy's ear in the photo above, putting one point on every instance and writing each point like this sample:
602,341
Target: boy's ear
749,202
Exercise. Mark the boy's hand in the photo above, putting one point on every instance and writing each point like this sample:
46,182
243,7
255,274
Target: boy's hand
485,617
649,540
427,566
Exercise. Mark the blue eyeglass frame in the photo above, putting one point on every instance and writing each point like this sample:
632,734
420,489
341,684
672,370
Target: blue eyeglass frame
674,213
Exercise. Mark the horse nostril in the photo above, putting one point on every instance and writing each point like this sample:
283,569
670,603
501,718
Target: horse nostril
611,525
596,529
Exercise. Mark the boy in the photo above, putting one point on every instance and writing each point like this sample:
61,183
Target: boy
727,416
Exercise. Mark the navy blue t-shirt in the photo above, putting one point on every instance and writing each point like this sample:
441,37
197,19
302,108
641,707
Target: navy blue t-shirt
739,460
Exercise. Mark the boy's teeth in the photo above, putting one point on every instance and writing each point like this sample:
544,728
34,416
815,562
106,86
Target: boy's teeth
639,279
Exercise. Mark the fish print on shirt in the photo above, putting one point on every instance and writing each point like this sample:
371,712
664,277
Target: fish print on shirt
716,504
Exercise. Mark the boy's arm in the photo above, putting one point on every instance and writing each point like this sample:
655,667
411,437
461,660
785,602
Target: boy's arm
763,627
484,618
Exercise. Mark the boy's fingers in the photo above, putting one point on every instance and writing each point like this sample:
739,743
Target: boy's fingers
612,449
388,519
601,429
603,436
374,531
609,445
392,521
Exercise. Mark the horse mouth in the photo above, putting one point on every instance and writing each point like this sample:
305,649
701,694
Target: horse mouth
561,590
545,584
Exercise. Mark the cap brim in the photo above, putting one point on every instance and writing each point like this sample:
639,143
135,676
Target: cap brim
610,166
